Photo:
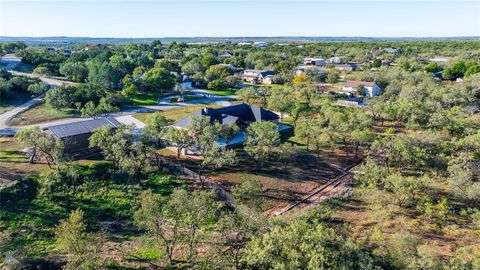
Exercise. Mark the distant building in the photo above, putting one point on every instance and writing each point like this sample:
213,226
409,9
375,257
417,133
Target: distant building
391,50
51,49
67,51
371,89
310,70
440,60
260,44
231,67
350,66
256,75
225,54
337,60
75,135
319,62
186,83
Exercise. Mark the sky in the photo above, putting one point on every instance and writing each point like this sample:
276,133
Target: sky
235,18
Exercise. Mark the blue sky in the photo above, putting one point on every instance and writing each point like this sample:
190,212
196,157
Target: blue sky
186,18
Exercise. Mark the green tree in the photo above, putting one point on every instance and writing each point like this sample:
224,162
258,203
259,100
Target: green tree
90,109
47,148
82,247
281,100
179,138
249,193
247,95
303,245
75,71
432,67
38,88
286,152
377,63
262,137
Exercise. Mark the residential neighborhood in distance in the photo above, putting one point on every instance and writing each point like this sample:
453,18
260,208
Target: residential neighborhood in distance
273,135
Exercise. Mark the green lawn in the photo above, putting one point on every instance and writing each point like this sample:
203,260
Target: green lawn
149,98
10,103
176,113
40,113
225,92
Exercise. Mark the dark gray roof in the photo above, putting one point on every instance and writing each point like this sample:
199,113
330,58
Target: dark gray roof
83,127
231,114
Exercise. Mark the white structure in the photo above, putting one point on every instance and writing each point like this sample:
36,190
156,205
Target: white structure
371,89
260,44
337,60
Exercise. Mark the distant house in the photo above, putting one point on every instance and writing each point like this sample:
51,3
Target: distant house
257,75
260,44
241,115
319,62
310,70
337,60
186,83
51,49
231,67
370,88
67,51
391,50
225,54
75,135
350,66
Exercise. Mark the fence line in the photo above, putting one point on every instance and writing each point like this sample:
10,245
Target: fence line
209,183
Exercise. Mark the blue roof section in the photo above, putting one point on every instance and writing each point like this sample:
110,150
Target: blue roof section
230,114
83,127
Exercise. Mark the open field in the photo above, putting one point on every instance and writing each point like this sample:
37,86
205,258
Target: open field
176,113
225,92
149,98
39,114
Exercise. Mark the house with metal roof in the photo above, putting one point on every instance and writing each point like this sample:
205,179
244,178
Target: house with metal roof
75,135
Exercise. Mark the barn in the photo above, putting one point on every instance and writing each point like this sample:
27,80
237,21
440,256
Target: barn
75,135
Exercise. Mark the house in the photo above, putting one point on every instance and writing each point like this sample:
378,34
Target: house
348,67
391,50
260,44
75,135
186,83
256,75
51,49
370,88
319,62
67,51
241,115
225,54
337,60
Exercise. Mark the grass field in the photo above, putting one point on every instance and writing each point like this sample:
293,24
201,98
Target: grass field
39,114
176,113
146,98
225,92
10,103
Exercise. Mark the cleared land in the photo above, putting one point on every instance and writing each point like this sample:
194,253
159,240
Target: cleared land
39,114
